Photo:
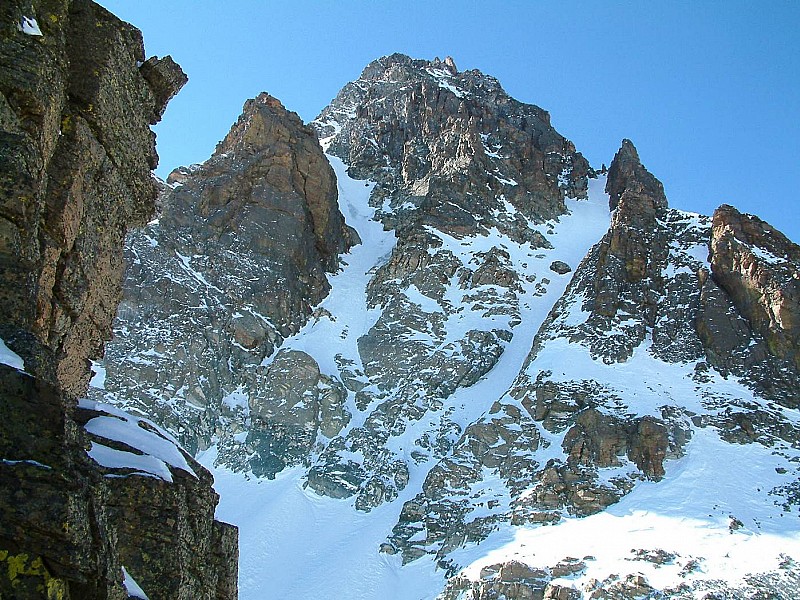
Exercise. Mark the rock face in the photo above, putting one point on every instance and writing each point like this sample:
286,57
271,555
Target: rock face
643,288
519,345
297,404
449,149
463,173
231,267
77,152
759,270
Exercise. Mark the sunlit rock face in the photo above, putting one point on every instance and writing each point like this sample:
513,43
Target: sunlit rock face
232,265
90,498
758,335
519,350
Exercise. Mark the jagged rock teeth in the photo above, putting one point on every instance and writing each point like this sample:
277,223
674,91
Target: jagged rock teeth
627,174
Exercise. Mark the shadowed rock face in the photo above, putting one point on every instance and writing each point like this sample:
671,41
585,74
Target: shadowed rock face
232,266
76,152
444,145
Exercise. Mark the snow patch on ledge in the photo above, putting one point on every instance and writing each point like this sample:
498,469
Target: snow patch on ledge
29,26
141,464
11,358
133,588
98,380
157,450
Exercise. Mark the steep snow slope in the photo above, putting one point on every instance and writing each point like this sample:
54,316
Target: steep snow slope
718,520
294,543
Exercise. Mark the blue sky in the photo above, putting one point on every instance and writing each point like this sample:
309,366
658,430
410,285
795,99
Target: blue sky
708,91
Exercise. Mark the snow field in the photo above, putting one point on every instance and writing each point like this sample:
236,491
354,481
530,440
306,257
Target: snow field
688,514
294,543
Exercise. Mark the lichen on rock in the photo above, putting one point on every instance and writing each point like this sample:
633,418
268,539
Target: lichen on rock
76,154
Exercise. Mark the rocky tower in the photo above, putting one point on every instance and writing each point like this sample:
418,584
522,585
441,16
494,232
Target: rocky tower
447,148
232,266
77,99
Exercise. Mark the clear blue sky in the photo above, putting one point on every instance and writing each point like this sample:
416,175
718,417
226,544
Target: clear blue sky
708,91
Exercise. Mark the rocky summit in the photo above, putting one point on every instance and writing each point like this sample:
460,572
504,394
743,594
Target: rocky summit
232,266
429,352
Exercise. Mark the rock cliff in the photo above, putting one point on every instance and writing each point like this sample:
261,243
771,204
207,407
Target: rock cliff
758,270
523,382
86,504
450,148
231,267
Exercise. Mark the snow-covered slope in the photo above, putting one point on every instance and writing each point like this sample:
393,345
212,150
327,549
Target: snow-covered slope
720,519
295,543
711,525
529,379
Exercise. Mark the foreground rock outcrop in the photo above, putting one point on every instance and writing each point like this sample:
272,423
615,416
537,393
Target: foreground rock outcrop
87,504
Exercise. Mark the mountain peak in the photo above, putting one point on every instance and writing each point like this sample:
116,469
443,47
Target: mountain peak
253,130
428,133
627,149
628,175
